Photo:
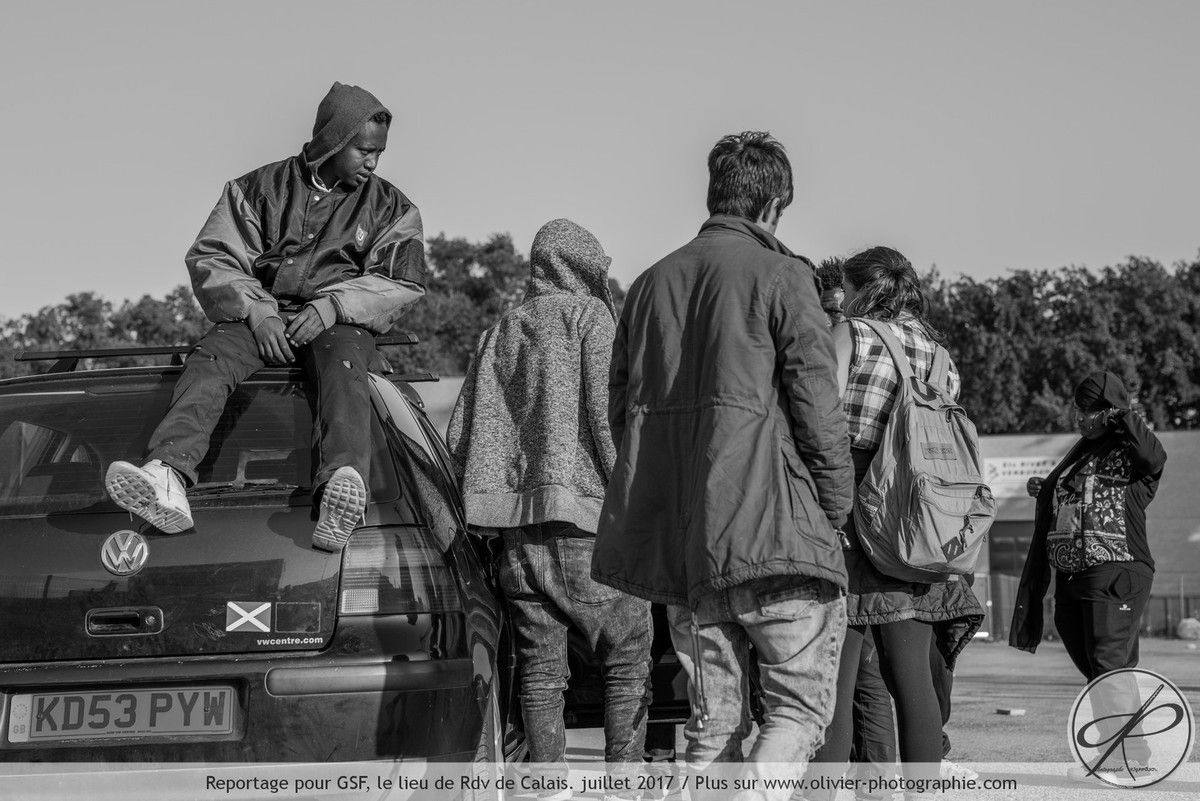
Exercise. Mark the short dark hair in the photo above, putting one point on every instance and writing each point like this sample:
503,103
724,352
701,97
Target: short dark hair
383,118
745,171
830,274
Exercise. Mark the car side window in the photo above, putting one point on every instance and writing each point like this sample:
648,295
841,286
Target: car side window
423,478
401,415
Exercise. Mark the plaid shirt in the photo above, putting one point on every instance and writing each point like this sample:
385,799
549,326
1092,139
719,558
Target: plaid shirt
871,388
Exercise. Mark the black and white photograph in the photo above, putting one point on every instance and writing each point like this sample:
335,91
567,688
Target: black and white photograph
534,400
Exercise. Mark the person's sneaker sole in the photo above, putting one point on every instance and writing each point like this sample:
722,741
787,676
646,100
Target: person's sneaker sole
342,505
132,491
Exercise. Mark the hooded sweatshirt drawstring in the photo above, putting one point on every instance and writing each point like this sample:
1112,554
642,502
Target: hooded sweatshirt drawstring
702,711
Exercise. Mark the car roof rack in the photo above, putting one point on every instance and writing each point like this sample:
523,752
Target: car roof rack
412,378
65,361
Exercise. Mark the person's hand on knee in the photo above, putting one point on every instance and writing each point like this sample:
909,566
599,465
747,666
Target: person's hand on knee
306,326
272,342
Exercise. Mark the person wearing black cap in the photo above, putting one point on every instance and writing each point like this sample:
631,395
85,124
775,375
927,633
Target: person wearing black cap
1090,529
305,259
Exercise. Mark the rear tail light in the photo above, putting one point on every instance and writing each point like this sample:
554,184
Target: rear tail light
395,571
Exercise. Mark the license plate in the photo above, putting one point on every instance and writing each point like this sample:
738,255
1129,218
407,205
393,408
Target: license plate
150,712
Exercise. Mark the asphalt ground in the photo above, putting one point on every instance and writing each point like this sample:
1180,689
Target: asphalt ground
1031,747
1029,751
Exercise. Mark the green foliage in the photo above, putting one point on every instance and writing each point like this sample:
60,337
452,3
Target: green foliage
468,287
86,321
1023,341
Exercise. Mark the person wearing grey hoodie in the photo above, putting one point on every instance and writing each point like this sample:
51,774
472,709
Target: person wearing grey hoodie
531,443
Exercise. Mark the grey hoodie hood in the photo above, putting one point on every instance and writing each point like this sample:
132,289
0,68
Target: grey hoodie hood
567,259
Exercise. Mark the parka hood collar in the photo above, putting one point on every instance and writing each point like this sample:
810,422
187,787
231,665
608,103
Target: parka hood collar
733,223
567,259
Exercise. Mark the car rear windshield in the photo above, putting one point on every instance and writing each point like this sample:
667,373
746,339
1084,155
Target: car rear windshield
56,443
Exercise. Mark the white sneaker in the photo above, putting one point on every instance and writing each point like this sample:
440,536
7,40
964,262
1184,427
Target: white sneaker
153,492
342,505
952,770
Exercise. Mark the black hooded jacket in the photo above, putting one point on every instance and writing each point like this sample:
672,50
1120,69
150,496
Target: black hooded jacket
1135,445
276,239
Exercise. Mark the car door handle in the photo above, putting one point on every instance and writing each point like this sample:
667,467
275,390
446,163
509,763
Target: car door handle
124,621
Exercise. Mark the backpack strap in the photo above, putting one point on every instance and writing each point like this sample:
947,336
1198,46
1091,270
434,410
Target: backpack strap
939,371
893,345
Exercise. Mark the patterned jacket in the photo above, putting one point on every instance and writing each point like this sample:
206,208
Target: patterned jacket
1127,463
273,240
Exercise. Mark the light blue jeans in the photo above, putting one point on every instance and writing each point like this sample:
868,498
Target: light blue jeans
796,626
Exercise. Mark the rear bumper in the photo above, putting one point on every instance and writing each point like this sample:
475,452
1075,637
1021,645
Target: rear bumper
443,674
293,709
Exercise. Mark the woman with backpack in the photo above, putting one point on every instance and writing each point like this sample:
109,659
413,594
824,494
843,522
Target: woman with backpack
899,616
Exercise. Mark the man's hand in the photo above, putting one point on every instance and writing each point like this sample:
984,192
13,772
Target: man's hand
1112,417
272,343
1034,486
305,326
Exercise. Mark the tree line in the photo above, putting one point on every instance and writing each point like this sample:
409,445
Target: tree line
1021,341
1024,340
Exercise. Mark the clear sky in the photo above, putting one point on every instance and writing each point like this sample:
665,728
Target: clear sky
977,136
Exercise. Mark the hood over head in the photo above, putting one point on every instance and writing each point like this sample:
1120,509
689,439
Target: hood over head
567,259
1101,390
339,118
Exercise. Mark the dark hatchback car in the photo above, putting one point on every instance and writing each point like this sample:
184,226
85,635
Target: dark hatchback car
236,641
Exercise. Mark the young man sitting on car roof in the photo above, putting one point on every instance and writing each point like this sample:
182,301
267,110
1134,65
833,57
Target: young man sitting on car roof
302,260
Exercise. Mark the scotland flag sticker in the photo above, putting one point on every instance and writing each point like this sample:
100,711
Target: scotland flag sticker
254,616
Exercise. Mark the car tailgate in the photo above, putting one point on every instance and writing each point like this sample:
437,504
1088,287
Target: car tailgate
245,579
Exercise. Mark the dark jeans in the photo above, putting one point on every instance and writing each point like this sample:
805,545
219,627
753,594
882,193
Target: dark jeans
874,740
660,736
546,573
943,683
337,361
904,664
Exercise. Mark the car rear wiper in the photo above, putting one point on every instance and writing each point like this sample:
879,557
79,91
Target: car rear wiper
251,487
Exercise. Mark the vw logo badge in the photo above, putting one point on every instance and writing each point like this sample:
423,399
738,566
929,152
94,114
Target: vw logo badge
124,553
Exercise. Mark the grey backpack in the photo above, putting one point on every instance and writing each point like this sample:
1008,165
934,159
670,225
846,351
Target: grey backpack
923,511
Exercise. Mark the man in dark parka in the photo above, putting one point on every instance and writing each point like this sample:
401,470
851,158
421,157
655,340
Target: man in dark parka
733,469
